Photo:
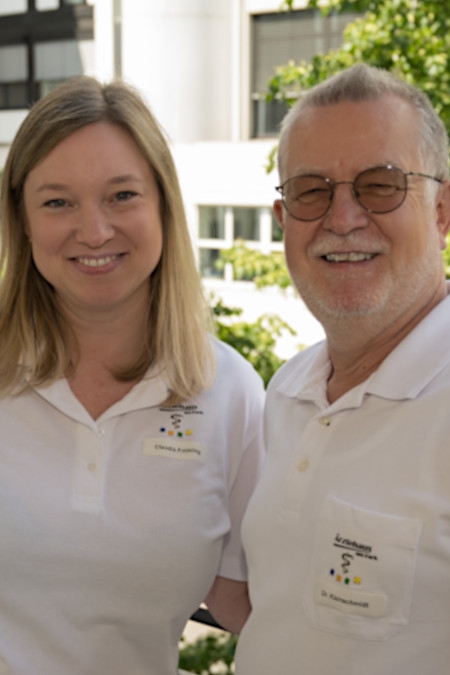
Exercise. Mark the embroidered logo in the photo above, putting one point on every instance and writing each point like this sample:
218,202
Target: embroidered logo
178,420
352,550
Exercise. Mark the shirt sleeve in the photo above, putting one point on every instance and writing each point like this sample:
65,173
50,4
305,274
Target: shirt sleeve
246,450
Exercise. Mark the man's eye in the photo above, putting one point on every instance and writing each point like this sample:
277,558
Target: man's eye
379,188
312,194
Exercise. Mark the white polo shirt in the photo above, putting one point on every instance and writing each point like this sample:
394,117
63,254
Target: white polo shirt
112,531
348,532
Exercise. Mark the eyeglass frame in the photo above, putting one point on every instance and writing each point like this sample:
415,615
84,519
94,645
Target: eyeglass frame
332,184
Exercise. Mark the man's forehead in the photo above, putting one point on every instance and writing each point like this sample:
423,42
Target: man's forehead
367,109
375,132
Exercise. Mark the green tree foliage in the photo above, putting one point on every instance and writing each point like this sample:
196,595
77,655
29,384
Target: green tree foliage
409,37
255,341
250,265
209,655
447,258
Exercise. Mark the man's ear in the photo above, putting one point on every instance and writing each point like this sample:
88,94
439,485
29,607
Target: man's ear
279,212
443,213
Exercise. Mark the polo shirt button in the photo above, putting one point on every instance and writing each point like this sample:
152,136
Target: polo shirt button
92,466
303,464
100,432
325,421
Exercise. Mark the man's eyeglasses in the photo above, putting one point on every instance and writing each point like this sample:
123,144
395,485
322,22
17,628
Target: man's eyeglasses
378,190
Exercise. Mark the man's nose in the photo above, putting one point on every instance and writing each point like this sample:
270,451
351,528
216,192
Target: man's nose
345,213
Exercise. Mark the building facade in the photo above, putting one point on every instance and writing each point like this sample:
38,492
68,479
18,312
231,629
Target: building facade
202,66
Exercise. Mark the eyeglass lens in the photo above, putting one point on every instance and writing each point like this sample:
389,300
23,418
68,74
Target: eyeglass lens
378,190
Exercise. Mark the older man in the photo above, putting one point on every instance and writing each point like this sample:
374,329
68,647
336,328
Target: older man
348,533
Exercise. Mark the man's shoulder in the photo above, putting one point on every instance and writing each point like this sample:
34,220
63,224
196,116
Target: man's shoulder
300,366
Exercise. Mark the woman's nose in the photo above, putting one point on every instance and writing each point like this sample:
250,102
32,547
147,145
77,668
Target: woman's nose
94,226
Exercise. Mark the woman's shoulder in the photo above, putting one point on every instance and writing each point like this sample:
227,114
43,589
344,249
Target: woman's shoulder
229,363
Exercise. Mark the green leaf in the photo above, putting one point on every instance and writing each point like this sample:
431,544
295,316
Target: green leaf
409,37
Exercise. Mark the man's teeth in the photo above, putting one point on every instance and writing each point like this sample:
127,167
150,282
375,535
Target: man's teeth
97,262
348,257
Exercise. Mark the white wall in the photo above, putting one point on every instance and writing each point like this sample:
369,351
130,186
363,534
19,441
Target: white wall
226,173
104,39
10,120
234,173
183,64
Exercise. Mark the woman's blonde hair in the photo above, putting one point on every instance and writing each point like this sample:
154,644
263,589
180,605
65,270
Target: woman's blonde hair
33,333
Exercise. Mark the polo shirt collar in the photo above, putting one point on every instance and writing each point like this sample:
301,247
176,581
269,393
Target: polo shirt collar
306,374
405,372
417,360
149,392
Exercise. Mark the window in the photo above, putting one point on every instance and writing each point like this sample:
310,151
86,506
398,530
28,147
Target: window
267,116
53,62
13,95
38,49
12,7
220,226
212,222
57,61
278,38
13,76
246,224
277,232
46,5
8,7
207,262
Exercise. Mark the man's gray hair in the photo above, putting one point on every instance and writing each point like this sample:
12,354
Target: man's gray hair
361,83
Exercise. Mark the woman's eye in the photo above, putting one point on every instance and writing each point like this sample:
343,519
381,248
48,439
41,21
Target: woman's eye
55,203
124,195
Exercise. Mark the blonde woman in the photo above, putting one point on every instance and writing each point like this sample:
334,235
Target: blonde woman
130,438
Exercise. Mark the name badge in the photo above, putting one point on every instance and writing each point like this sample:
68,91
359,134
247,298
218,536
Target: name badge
175,448
350,601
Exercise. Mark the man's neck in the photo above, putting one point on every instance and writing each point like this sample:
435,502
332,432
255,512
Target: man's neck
356,352
357,346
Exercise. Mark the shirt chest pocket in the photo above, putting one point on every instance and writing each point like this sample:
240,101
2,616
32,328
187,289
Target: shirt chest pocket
362,571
